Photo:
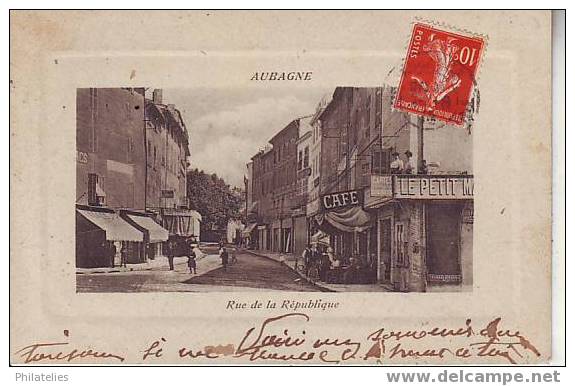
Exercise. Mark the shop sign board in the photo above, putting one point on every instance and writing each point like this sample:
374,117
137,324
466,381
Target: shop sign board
341,200
433,187
467,213
381,186
81,157
167,193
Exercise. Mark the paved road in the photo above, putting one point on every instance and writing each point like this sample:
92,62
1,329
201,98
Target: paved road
253,271
250,273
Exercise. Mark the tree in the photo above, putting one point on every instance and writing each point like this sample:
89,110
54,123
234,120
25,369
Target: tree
216,201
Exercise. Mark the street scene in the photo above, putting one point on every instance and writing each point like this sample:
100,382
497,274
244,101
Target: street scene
333,190
249,273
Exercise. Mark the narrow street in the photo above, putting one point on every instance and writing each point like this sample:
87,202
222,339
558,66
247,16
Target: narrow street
249,273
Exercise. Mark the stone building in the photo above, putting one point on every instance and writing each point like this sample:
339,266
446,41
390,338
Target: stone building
167,152
111,178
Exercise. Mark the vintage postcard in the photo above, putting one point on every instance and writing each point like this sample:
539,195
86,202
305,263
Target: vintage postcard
280,187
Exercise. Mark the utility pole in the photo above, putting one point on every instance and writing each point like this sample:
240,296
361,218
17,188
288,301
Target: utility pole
422,226
419,143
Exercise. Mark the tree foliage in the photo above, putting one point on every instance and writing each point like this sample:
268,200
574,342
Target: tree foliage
216,201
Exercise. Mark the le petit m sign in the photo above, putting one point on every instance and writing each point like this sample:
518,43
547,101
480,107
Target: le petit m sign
423,187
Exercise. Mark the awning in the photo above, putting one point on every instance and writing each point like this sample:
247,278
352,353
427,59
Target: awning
246,232
253,207
353,219
181,222
181,213
379,202
157,233
195,215
116,228
320,237
99,191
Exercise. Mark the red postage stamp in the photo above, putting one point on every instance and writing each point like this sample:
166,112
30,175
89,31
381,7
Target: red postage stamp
439,73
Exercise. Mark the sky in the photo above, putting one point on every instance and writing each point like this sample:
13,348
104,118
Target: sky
228,126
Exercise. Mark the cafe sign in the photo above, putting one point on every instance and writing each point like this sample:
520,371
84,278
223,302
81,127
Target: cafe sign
341,200
433,187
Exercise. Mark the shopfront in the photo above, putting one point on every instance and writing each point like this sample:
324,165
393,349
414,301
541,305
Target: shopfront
97,230
262,239
424,231
154,233
449,239
250,236
352,236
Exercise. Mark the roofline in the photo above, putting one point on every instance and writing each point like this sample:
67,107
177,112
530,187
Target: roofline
288,125
306,135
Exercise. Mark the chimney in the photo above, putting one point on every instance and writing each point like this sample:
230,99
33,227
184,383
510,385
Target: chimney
157,96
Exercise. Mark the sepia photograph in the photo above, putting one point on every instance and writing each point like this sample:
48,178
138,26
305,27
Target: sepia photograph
329,190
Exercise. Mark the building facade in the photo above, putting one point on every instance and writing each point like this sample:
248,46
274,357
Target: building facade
110,175
125,161
109,147
299,204
391,193
167,152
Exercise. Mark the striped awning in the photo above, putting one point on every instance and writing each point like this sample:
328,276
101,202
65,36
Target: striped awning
116,228
157,232
248,230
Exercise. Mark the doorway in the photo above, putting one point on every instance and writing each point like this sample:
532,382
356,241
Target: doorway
385,251
443,222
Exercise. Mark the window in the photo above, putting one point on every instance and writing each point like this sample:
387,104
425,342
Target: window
130,152
400,245
94,119
380,160
355,128
378,103
306,157
368,111
299,160
155,156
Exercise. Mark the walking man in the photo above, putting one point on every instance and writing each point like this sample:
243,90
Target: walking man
124,255
224,257
171,251
111,253
192,261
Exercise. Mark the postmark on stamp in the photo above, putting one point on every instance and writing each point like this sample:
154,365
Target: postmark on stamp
439,73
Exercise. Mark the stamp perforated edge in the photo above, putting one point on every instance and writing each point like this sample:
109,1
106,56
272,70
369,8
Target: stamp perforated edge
448,28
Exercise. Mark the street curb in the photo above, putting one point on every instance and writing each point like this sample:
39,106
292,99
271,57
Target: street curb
130,269
321,288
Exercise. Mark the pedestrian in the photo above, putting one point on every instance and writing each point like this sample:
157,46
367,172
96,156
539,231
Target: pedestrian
198,252
306,256
224,257
396,165
423,167
112,253
408,167
124,255
192,261
171,251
